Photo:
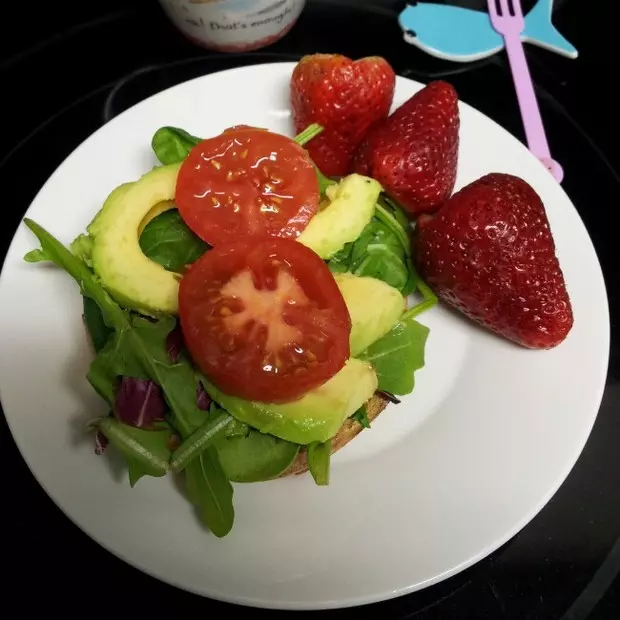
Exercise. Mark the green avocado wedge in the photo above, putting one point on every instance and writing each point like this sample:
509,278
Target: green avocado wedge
344,218
373,305
317,416
133,280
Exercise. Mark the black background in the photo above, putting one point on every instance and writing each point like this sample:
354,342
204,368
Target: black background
66,69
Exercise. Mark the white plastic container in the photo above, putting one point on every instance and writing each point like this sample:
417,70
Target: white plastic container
233,25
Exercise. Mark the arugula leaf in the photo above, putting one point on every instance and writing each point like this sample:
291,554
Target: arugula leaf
195,444
361,416
147,452
206,479
82,247
36,256
167,240
145,351
98,331
172,144
318,461
115,359
398,354
138,348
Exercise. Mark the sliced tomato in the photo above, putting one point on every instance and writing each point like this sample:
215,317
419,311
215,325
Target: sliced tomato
247,182
264,319
235,128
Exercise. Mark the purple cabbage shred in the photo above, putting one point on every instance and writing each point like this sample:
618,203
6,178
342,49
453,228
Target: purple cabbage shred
139,403
174,344
203,400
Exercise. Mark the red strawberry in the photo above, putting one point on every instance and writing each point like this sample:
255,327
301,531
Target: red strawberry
414,153
343,96
489,252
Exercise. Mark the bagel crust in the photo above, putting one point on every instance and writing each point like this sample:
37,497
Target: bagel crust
347,432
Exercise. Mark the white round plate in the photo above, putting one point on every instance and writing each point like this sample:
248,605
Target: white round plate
439,482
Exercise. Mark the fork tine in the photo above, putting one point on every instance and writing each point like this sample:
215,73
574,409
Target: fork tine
517,8
505,9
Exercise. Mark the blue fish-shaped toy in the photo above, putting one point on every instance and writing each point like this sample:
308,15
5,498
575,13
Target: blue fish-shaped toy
462,35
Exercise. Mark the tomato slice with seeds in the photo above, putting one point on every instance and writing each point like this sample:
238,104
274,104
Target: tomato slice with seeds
264,319
247,182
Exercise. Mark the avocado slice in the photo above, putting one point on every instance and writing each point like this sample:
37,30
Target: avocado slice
157,210
374,307
344,218
134,280
317,416
116,194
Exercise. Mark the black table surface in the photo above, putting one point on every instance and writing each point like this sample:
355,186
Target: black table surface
68,68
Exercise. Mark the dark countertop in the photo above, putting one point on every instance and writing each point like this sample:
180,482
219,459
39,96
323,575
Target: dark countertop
565,563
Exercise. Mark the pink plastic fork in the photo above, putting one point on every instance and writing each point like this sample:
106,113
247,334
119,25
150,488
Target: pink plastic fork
507,19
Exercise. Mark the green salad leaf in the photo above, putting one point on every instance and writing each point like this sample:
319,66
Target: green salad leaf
147,453
211,492
195,444
82,247
168,240
398,355
35,256
172,145
138,348
324,182
361,416
319,455
98,331
382,251
255,456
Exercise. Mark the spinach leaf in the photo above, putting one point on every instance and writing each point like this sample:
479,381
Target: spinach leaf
339,262
172,145
379,254
318,461
398,354
254,457
396,210
361,416
167,240
138,348
382,251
